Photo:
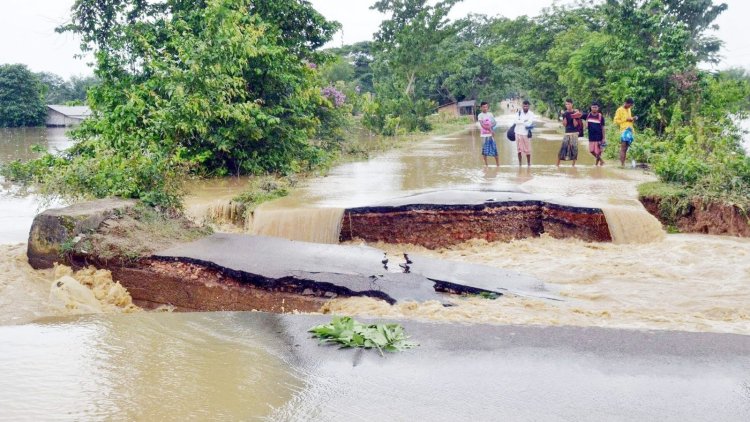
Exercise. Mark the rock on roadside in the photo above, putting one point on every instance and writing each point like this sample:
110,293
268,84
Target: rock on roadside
54,230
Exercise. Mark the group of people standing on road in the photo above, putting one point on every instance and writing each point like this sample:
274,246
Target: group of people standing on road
573,120
524,123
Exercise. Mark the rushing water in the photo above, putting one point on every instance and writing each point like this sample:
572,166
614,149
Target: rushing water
120,367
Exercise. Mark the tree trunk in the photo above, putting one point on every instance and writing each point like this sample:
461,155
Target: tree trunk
410,85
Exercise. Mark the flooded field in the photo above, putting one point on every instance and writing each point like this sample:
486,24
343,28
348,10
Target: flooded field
18,209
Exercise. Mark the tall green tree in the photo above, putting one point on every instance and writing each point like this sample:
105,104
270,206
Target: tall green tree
358,59
226,85
466,68
409,38
208,86
404,50
698,17
21,97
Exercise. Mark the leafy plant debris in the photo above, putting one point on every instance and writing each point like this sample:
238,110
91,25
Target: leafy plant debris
349,333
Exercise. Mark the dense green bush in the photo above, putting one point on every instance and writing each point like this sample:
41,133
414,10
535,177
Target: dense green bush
394,116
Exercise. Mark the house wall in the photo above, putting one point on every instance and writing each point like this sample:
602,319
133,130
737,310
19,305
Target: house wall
449,110
57,119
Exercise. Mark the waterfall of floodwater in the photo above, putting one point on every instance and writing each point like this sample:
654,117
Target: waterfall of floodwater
226,212
632,225
319,225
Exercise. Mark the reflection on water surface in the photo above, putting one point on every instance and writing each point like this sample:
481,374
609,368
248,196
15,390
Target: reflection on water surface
143,367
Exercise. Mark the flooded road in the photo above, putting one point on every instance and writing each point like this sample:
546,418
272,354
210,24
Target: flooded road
143,367
649,280
454,162
255,366
120,367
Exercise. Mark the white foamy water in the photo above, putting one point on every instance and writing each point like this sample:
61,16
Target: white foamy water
684,282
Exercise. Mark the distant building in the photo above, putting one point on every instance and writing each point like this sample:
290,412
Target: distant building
461,108
60,115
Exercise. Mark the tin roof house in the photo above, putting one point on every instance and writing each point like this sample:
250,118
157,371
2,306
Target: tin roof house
461,108
60,115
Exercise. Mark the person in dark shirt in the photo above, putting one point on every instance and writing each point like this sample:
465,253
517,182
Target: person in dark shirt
571,122
595,124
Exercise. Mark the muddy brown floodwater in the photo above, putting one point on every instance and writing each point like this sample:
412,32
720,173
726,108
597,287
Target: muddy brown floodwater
115,367
644,279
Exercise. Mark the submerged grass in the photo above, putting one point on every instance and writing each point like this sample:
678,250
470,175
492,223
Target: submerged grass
367,143
265,188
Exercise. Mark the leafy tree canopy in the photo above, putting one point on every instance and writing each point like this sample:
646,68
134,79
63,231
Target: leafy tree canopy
21,97
226,85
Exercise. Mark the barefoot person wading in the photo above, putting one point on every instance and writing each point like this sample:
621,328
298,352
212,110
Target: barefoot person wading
486,123
624,119
524,123
595,125
572,123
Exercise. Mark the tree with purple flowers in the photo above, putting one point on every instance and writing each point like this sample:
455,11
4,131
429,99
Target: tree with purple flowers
336,97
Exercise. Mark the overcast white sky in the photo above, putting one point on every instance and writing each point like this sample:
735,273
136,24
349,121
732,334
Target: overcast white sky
28,36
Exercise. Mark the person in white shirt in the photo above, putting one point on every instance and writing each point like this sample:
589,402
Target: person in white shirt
524,123
486,123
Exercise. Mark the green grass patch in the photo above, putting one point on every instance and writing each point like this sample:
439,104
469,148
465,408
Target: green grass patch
662,190
137,233
265,188
674,200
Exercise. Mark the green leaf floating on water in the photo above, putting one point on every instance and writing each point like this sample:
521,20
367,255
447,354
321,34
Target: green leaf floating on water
349,333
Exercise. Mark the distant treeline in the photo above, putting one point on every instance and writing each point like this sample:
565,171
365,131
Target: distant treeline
604,51
61,91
